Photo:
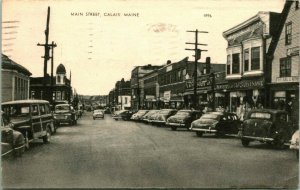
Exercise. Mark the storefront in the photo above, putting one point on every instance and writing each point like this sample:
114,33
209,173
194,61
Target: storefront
246,94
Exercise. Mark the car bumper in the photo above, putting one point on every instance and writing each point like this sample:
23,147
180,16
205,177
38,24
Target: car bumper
204,130
176,124
98,116
63,120
158,122
264,139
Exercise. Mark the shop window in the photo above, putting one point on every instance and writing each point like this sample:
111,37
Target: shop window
285,67
255,58
246,60
228,63
288,33
235,63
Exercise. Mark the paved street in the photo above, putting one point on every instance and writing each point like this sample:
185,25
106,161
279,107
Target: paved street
108,153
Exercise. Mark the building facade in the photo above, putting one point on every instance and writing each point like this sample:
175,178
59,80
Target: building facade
284,86
61,89
136,84
151,90
15,80
246,69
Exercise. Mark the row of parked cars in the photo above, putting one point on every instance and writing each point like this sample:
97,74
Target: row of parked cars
24,121
264,125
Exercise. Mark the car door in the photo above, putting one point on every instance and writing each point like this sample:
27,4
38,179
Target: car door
36,121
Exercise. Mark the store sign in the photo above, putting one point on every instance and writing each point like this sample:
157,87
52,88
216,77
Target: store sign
149,97
293,51
287,79
201,82
242,84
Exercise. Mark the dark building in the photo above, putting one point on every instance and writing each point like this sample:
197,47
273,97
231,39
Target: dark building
136,84
61,90
172,78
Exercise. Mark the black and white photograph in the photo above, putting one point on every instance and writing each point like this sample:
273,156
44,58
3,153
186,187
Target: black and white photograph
165,94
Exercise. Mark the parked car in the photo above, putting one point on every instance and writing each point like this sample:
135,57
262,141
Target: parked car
122,114
98,114
266,125
32,118
12,142
183,118
139,115
219,123
162,116
65,113
146,117
295,143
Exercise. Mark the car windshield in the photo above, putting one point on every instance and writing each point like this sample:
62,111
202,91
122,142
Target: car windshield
98,111
165,111
17,110
142,112
210,116
183,113
259,115
62,107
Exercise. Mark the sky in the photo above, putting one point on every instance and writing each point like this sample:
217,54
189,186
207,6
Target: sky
100,45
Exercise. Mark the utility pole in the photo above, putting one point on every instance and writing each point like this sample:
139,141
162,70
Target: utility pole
53,45
197,57
47,48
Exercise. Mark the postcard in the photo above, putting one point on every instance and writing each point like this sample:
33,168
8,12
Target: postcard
160,94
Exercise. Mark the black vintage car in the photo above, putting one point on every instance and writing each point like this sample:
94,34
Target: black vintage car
65,113
219,123
183,118
122,114
267,125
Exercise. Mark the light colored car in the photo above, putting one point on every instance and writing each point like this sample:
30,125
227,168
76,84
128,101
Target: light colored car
295,143
98,114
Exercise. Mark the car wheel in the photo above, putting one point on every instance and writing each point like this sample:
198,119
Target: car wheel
75,122
279,143
297,154
173,128
245,142
19,145
199,134
93,118
47,137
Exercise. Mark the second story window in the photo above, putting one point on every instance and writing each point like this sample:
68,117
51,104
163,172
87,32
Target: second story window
285,67
246,60
235,63
228,63
288,33
255,61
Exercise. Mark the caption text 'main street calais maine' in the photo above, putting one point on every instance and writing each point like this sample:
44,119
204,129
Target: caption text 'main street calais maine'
105,14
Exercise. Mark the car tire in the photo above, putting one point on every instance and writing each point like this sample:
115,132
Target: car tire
199,133
47,137
173,128
297,154
279,143
93,118
245,142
